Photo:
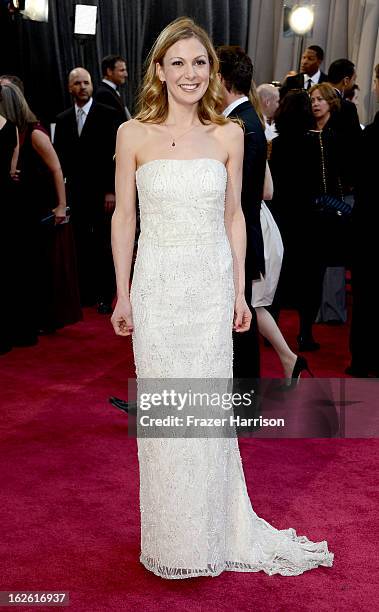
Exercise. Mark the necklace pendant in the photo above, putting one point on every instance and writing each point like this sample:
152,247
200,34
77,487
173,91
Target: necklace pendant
173,143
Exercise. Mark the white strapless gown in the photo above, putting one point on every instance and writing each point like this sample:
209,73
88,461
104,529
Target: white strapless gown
196,515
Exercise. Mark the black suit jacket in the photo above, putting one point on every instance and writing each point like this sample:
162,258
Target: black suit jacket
364,331
254,168
346,125
105,94
366,210
87,161
297,82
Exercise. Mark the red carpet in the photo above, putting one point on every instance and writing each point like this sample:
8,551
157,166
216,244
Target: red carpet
69,489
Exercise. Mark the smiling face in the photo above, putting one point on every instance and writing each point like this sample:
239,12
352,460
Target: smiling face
320,106
185,70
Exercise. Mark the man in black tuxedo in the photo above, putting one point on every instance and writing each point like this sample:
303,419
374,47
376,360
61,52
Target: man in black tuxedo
364,334
85,137
342,76
310,73
236,74
345,122
114,73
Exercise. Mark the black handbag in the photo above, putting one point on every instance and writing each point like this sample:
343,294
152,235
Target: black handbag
326,203
329,203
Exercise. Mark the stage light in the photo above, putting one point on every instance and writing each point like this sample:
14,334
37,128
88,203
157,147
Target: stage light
36,10
85,19
301,19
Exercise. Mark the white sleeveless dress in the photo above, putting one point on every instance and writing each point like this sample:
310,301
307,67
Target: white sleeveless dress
196,515
264,288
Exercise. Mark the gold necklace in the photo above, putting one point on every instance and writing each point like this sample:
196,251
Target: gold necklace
174,140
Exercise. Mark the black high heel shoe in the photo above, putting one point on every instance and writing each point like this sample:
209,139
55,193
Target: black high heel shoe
300,365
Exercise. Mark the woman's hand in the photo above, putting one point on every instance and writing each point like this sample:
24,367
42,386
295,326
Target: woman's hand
15,175
242,315
122,318
60,213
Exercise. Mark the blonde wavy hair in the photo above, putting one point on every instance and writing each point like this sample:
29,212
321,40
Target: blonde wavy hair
14,107
153,101
256,103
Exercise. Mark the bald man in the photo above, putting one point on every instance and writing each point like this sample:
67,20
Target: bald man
85,137
269,99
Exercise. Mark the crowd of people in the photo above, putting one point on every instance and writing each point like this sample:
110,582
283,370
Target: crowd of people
306,155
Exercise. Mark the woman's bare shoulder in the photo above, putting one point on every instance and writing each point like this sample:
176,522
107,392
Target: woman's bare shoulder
230,129
133,126
229,134
132,134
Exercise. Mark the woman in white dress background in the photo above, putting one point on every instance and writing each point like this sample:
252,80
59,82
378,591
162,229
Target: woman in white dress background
187,295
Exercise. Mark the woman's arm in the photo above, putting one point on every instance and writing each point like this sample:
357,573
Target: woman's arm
42,145
14,161
268,186
235,222
124,223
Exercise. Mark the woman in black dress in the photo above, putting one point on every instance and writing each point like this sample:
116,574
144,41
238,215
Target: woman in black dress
52,284
307,161
297,174
334,181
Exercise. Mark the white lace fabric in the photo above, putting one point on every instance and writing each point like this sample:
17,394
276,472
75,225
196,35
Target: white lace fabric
196,515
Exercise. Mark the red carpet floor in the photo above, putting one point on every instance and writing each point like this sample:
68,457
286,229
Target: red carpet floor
69,489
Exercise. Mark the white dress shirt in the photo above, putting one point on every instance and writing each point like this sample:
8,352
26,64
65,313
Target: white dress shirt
85,109
226,112
270,130
315,79
111,84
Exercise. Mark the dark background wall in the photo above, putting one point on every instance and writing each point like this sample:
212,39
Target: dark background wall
42,54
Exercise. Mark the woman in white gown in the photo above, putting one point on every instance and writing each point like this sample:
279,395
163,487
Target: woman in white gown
187,295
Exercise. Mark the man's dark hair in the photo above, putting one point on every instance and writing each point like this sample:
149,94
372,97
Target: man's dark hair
110,61
319,52
340,69
236,68
12,78
376,71
294,115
